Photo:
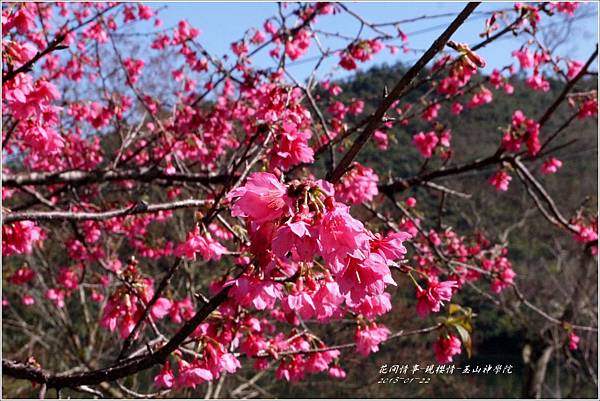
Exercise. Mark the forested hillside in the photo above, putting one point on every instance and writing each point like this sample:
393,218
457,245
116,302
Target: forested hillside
499,337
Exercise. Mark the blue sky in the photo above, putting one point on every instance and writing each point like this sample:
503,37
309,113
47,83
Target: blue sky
223,23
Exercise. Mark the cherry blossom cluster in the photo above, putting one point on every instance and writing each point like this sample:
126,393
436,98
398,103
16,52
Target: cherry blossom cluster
522,130
474,257
124,308
360,51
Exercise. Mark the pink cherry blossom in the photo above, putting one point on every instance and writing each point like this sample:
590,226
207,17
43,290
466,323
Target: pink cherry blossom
525,58
22,276
446,348
358,185
191,375
27,300
364,277
431,112
368,338
262,198
57,296
484,96
433,297
161,308
301,302
589,108
500,181
504,280
538,82
337,372
209,248
261,294
340,236
456,108
391,246
574,68
296,237
327,300
551,166
165,379
573,341
381,139
20,237
425,143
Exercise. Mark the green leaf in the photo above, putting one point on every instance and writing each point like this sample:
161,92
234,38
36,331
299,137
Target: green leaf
465,337
453,308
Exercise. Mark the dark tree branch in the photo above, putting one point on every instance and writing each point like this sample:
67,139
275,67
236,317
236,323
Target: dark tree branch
78,177
401,87
52,46
125,368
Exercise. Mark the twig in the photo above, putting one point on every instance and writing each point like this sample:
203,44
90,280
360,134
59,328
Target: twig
159,290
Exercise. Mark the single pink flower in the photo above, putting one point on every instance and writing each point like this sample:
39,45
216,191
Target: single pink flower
573,341
165,378
574,68
337,372
391,246
431,299
209,248
191,375
301,302
381,140
161,308
446,347
425,143
456,108
364,277
368,338
551,166
500,181
340,236
297,238
525,58
327,300
263,198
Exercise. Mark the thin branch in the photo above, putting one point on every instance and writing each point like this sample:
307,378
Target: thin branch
546,116
400,333
138,208
159,290
125,368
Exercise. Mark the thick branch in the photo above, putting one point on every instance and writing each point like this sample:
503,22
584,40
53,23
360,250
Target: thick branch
79,177
401,87
126,368
54,45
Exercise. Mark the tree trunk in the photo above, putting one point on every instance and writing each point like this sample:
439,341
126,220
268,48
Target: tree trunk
537,365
